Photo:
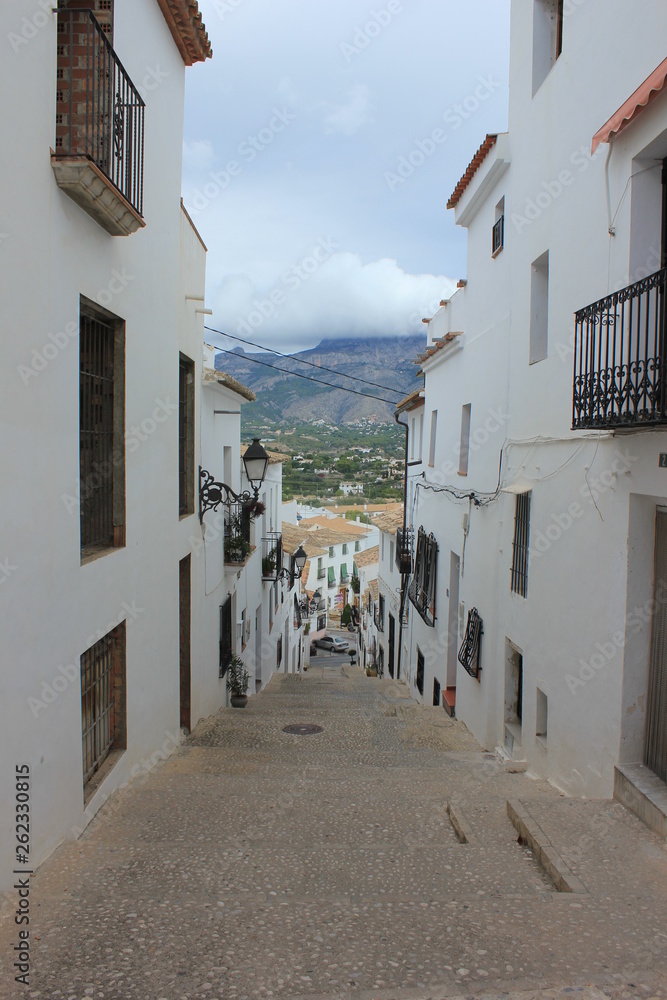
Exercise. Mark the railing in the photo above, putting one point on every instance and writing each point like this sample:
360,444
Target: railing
237,533
298,619
272,555
99,112
321,573
403,552
422,587
378,620
498,236
619,358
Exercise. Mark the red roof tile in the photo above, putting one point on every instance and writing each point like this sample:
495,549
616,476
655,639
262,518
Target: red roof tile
472,169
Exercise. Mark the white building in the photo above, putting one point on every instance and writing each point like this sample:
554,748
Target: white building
540,497
350,488
98,401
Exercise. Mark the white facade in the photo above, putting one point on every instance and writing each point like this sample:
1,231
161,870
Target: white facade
57,601
576,227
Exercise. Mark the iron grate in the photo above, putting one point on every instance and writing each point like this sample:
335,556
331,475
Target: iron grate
303,729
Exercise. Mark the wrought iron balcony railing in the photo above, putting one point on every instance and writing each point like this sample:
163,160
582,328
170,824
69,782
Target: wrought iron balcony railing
99,111
378,620
619,358
272,555
237,533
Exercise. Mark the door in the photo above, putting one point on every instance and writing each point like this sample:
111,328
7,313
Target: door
453,619
184,616
655,750
392,644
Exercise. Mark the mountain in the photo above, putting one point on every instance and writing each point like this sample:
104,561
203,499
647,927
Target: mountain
283,398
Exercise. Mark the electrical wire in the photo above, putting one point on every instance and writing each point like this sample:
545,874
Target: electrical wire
302,361
309,378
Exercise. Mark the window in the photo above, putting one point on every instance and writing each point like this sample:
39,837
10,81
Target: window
520,545
392,644
422,586
103,701
539,308
357,546
541,717
279,651
420,671
421,434
226,639
464,446
391,554
381,613
332,576
320,568
344,549
547,38
434,430
436,692
498,233
412,439
186,436
321,623
101,429
331,552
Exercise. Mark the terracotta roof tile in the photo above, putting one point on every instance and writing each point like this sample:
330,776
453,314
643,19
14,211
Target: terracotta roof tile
210,375
187,28
368,556
472,169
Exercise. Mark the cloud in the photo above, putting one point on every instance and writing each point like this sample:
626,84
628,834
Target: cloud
340,297
349,118
198,156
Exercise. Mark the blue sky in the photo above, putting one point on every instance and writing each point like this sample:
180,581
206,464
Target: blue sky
321,144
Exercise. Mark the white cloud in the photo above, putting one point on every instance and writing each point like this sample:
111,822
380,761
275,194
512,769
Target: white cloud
341,297
348,118
198,156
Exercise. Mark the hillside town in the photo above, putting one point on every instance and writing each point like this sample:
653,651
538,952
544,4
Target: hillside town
295,708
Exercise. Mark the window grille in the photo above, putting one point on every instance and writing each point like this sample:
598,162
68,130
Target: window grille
520,545
423,584
498,236
102,700
225,636
469,653
185,436
420,671
96,431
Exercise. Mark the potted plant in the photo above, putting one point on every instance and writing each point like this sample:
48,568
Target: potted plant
255,509
268,564
372,671
238,680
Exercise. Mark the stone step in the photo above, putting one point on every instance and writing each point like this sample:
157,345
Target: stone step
643,793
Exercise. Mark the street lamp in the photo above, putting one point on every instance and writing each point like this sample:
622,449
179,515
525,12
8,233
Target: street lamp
213,493
299,560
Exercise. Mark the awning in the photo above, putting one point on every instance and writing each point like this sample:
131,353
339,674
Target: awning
332,575
355,569
343,570
642,97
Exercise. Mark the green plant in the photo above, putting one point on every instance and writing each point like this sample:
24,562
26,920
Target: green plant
236,548
346,616
255,509
268,564
355,585
306,628
238,678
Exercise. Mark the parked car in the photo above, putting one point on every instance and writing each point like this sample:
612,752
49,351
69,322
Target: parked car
333,643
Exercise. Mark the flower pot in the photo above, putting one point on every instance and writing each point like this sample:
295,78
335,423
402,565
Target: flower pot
239,700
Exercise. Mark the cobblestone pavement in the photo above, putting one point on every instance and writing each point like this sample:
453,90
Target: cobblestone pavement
255,863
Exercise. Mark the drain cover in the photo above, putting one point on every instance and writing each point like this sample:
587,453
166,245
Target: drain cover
303,729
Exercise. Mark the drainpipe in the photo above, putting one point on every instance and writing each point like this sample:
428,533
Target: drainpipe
404,578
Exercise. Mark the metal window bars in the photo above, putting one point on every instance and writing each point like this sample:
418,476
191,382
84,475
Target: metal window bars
470,651
97,694
520,545
498,236
96,420
422,587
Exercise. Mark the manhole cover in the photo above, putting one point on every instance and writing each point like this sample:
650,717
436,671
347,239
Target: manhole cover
303,729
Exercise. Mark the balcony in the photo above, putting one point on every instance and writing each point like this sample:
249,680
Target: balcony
99,146
237,535
423,584
272,556
403,552
619,358
321,573
378,620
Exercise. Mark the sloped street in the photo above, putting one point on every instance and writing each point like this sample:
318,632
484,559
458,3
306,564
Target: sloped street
257,863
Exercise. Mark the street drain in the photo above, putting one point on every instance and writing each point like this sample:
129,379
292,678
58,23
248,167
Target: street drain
303,729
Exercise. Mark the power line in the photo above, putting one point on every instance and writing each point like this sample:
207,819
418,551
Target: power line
309,378
301,361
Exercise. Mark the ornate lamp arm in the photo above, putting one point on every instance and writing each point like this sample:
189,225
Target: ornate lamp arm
212,493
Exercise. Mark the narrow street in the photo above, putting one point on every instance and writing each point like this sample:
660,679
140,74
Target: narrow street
256,863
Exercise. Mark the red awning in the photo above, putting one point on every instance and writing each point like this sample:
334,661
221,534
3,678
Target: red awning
642,97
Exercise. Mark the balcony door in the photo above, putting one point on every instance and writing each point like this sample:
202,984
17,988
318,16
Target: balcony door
655,747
